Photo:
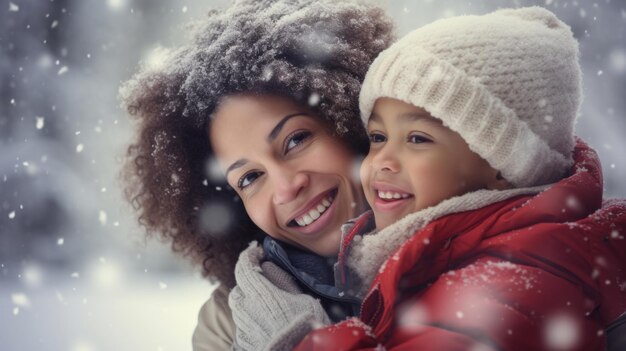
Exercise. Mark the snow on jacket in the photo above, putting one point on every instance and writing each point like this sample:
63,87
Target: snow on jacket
530,272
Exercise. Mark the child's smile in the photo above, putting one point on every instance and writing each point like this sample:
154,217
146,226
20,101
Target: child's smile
390,197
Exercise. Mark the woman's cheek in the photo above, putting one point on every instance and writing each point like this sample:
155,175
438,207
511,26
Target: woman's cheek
260,216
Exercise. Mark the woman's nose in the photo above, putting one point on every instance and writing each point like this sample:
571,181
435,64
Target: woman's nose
287,186
386,159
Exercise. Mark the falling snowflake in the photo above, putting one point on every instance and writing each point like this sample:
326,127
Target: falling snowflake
573,203
39,122
314,99
32,275
617,60
216,218
102,217
561,332
157,58
82,345
20,299
213,170
116,4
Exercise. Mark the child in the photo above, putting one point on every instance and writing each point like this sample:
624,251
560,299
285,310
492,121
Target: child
490,228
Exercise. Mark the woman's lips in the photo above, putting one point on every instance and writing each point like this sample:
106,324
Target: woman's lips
324,218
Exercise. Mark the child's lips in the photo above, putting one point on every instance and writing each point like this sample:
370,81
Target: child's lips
392,195
386,205
389,197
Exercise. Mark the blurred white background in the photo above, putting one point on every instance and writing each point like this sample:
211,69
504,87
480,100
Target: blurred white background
76,273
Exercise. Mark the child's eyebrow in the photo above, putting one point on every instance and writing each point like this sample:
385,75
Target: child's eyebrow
411,116
414,116
407,117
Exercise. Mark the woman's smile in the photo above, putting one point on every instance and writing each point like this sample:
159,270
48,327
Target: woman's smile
314,209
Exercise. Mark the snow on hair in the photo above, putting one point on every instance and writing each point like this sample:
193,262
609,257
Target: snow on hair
314,52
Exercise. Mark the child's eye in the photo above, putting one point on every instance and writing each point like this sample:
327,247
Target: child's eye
295,139
248,179
376,138
418,139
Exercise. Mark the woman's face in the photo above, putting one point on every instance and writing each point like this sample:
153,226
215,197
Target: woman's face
296,180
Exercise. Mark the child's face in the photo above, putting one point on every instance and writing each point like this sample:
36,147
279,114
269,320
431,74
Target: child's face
416,162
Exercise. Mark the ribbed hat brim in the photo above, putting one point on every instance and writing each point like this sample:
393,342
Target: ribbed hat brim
490,128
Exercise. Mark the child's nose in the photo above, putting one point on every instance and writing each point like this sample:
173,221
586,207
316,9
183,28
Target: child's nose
386,160
288,185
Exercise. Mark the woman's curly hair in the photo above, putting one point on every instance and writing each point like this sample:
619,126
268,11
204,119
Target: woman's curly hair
313,52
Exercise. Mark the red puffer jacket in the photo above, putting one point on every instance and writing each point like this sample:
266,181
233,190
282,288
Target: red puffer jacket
544,272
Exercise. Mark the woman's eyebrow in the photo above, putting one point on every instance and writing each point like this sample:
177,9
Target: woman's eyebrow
235,165
279,126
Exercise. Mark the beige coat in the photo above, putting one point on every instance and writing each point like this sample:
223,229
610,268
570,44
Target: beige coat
215,329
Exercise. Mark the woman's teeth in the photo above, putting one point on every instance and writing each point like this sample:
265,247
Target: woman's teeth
314,213
392,195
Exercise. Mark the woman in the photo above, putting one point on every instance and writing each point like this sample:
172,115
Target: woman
265,59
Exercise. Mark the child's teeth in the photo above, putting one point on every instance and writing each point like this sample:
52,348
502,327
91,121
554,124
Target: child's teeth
391,195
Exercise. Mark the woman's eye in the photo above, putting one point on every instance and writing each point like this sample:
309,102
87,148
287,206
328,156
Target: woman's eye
248,179
296,139
418,139
376,138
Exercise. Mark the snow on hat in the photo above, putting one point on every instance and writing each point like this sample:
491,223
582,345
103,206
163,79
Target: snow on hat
508,82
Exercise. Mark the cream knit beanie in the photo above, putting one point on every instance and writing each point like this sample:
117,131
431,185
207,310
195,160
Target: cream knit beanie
508,82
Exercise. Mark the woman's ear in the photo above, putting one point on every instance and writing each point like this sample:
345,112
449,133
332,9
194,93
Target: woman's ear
499,183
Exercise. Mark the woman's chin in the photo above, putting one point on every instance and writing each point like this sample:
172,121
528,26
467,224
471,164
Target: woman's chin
327,251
